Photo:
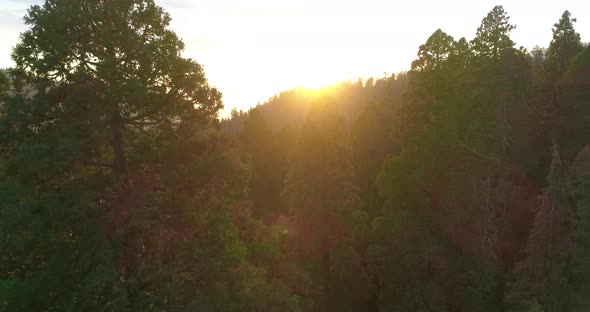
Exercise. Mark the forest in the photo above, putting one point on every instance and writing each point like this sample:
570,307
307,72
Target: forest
461,185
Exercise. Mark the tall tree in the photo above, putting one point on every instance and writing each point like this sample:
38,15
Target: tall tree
572,107
502,74
564,46
434,53
493,36
543,277
554,101
111,95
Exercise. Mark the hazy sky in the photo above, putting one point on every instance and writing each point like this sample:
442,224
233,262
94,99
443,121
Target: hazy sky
254,49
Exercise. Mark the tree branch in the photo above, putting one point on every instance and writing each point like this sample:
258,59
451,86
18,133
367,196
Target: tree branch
142,123
151,111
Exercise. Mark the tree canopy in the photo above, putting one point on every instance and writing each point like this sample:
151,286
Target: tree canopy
462,185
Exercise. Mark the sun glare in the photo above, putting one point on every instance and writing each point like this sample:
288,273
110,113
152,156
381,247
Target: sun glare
319,80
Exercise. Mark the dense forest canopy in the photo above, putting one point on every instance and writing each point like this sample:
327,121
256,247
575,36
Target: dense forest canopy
460,185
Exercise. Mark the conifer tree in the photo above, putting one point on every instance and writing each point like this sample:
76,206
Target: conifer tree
564,46
493,36
542,278
100,209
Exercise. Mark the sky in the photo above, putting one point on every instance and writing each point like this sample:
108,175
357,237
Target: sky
252,50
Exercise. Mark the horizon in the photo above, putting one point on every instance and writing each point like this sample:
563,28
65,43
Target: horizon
283,46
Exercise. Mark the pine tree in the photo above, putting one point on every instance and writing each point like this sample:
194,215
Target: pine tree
573,111
564,46
82,159
542,277
502,74
492,39
435,52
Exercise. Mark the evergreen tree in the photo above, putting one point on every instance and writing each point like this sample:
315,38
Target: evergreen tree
501,73
492,39
121,191
543,277
564,46
115,193
435,52
573,111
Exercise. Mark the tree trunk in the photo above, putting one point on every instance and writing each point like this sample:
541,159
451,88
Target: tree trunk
130,238
326,300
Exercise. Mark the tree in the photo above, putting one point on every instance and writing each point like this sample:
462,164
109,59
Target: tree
564,46
404,255
543,277
462,54
111,95
435,52
572,109
502,74
120,76
556,96
492,38
435,100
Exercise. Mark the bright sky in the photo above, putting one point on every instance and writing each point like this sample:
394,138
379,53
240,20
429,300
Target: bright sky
254,49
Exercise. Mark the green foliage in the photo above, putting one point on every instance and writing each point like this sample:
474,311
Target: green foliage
120,191
564,46
492,39
400,258
56,255
435,52
117,194
4,84
573,105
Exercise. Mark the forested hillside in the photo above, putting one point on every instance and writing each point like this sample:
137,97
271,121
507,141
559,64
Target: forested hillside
462,185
